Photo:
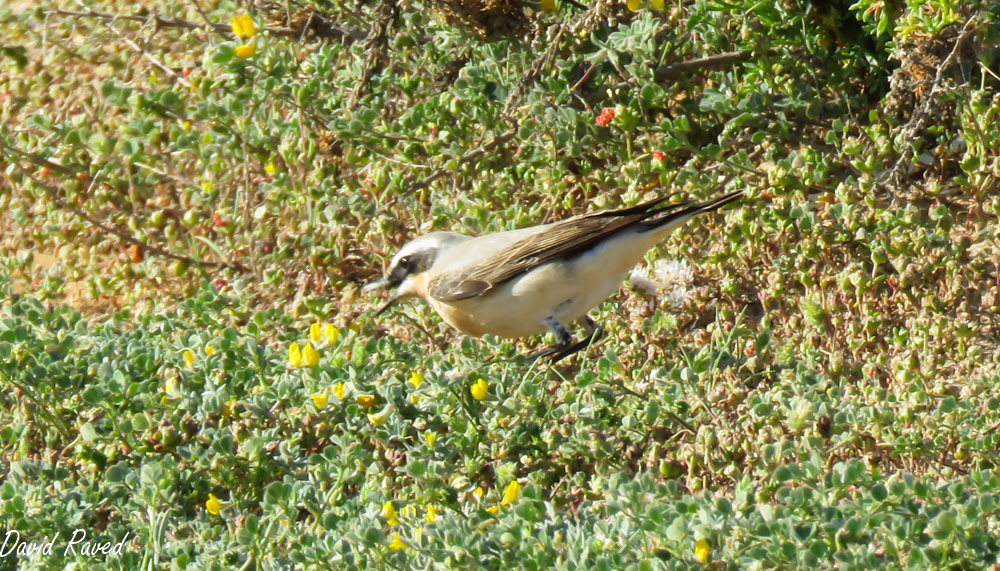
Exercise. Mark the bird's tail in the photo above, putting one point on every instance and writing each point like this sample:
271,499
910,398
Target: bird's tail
678,217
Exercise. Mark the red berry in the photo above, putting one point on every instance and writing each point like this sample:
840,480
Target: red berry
659,156
217,220
604,119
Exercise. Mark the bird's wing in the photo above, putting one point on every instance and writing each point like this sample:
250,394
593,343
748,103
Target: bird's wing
560,240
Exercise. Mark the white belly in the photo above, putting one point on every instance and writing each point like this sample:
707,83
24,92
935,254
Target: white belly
564,290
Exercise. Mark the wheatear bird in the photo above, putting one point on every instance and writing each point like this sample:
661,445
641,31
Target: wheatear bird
524,282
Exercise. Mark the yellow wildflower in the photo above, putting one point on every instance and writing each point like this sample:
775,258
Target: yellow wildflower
246,51
269,168
243,26
548,5
478,389
381,416
294,355
415,379
206,187
209,350
330,333
338,390
701,550
188,357
310,356
657,4
365,400
493,509
511,493
430,437
415,398
319,400
397,543
632,5
478,493
227,408
213,505
431,514
314,333
389,513
408,511
172,384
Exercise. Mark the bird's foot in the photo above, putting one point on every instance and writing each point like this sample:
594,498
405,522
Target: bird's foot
563,348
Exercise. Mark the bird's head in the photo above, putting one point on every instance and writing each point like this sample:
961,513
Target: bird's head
410,264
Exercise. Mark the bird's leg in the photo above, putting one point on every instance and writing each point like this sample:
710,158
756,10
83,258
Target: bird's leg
594,332
563,348
561,334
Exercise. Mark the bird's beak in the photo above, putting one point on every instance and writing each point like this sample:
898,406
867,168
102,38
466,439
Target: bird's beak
377,284
383,283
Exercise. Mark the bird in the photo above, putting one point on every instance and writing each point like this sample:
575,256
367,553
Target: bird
524,282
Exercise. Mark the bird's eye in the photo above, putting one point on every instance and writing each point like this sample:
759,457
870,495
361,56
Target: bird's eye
405,262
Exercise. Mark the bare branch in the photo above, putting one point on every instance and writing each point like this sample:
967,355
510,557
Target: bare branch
468,157
53,194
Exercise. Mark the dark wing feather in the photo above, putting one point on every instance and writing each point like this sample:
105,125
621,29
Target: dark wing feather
561,240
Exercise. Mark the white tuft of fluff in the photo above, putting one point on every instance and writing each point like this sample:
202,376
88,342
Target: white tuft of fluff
668,279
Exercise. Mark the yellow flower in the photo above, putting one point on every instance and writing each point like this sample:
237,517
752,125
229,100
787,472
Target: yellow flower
408,511
511,493
213,505
246,51
493,509
227,408
548,5
269,168
319,400
701,550
431,514
186,125
415,379
430,437
188,357
294,355
632,5
478,389
172,384
365,400
314,333
657,4
381,416
338,390
415,398
478,493
243,26
397,543
310,356
330,333
209,350
206,186
389,513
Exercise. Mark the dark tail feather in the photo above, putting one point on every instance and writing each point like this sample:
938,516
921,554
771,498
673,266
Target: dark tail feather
689,211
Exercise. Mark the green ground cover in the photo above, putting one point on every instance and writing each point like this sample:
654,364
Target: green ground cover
817,386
